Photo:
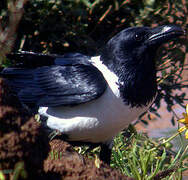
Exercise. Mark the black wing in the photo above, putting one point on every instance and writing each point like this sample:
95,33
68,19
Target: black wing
67,80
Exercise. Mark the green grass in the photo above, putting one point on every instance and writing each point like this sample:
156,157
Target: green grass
142,158
137,157
14,174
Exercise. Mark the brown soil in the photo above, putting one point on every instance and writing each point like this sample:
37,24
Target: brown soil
23,140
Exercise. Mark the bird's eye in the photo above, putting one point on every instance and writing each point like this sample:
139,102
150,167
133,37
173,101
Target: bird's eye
138,37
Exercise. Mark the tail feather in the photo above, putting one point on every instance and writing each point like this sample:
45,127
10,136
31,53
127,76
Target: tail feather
22,84
17,78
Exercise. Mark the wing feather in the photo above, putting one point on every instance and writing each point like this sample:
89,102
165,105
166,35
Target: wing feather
70,82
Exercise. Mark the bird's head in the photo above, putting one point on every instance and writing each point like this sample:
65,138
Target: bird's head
137,45
130,55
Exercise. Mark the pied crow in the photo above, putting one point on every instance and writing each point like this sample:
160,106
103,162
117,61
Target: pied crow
91,99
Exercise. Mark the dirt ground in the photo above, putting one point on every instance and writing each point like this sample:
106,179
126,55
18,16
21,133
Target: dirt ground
24,147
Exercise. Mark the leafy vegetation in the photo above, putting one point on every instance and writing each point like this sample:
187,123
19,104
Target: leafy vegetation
144,159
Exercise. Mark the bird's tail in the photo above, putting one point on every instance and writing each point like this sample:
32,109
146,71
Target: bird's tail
17,77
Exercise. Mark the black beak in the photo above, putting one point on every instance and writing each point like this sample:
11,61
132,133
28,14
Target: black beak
162,34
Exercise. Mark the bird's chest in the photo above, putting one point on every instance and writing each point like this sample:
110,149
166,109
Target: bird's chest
95,121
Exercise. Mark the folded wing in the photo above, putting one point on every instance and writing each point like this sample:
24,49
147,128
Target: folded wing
67,80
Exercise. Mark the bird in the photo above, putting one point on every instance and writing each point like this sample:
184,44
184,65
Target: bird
90,99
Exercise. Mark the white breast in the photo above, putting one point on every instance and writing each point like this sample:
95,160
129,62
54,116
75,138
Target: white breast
96,121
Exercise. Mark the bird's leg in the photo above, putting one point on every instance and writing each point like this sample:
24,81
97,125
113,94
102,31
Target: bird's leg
105,153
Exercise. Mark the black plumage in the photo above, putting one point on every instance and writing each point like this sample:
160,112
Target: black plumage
64,80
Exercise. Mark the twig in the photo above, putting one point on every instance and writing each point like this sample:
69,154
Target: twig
105,14
124,2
